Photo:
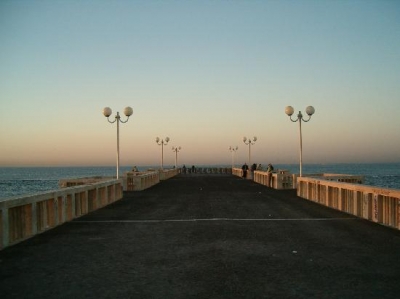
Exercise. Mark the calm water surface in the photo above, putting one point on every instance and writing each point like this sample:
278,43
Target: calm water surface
16,181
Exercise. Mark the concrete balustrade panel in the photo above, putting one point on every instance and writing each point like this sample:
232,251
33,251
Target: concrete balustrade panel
110,194
78,205
138,181
41,215
1,229
61,209
167,174
92,200
70,207
20,222
25,216
237,171
103,196
279,180
56,212
379,205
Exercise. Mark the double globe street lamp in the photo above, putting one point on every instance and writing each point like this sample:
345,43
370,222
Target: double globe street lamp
233,151
176,150
162,142
107,112
289,110
249,142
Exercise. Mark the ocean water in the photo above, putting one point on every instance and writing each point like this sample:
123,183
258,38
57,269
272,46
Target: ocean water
15,181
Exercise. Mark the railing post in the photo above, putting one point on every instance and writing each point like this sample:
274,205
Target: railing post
34,218
5,227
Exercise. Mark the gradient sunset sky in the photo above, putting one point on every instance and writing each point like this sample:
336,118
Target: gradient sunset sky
205,74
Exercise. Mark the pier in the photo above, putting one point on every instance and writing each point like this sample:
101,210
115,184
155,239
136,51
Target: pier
205,235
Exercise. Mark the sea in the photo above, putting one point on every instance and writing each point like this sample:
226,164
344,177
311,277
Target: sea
20,181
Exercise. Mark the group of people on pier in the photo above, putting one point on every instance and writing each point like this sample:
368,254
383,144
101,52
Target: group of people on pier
254,167
190,170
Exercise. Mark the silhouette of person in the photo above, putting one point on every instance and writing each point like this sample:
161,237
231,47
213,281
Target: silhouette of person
244,170
269,175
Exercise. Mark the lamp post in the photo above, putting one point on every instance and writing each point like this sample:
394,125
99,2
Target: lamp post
249,142
289,110
233,150
107,112
162,142
176,150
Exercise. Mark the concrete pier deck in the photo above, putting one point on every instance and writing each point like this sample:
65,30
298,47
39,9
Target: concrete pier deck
207,236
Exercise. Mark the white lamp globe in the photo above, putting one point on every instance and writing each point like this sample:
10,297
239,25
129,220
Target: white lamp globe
289,110
310,110
128,111
107,111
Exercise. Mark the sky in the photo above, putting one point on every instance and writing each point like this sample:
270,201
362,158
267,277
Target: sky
203,73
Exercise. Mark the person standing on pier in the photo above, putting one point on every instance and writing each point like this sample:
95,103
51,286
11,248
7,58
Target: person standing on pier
269,175
244,170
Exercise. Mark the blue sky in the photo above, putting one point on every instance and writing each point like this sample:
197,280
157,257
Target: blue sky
205,74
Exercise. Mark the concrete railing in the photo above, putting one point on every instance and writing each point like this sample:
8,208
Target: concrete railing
283,179
138,181
131,180
65,183
344,178
277,180
237,171
168,173
372,203
26,216
208,170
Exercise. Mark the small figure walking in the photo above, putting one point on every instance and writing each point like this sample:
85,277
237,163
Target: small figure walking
269,175
244,170
184,169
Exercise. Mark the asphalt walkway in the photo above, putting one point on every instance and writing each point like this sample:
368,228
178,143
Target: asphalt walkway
207,236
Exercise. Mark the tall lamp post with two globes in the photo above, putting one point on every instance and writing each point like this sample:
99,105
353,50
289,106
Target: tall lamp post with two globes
162,142
176,150
107,112
233,150
289,110
249,142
